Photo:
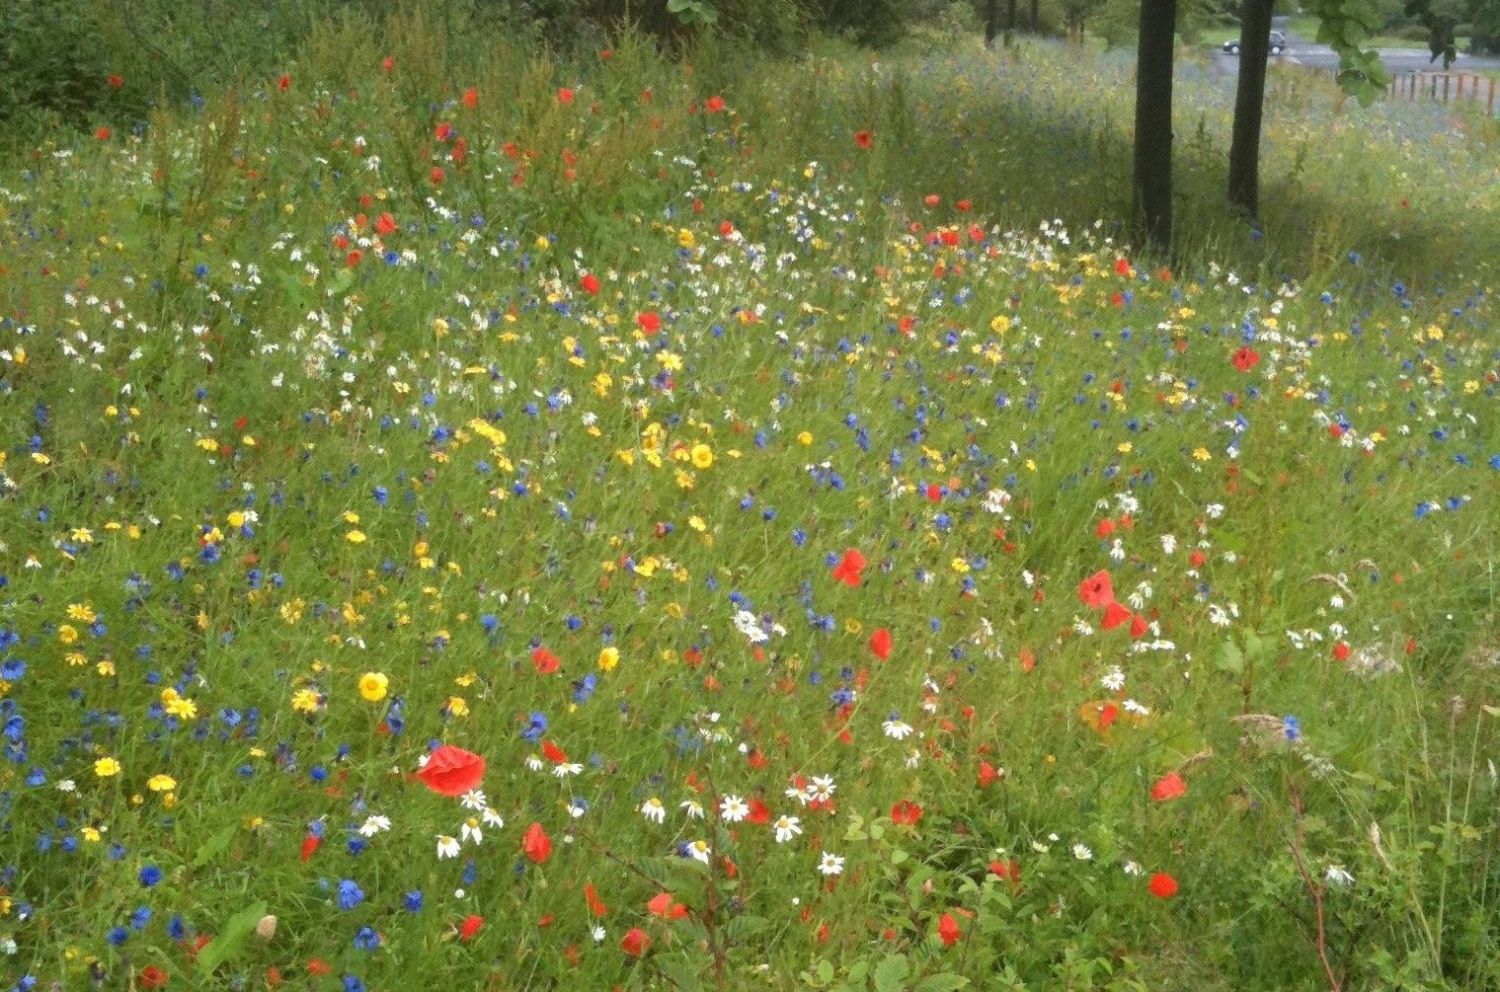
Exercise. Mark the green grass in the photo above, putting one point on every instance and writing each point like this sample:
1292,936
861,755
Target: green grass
264,441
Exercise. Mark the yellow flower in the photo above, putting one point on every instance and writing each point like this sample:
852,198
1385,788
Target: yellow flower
82,612
306,701
373,686
106,767
161,783
805,438
703,456
355,537
67,633
1000,324
457,706
1201,454
608,658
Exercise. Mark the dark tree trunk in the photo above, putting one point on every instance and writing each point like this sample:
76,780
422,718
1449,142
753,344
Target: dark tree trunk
1249,99
1035,23
991,23
1010,20
1152,182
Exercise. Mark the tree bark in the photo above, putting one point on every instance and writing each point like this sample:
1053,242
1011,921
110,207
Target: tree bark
1249,101
1035,23
1010,21
1152,182
991,23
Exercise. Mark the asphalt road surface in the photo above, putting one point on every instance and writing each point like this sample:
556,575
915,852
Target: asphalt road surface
1398,61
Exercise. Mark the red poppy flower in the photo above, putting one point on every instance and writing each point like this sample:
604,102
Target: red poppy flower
385,224
1122,266
317,967
565,95
906,812
452,771
387,63
932,199
759,812
437,175
592,897
589,284
1114,615
553,753
470,927
1163,886
663,906
948,930
863,139
537,845
1097,590
880,643
1106,527
544,661
635,942
1341,651
284,83
153,977
648,321
1197,558
471,98
1170,786
713,104
1246,359
848,569
103,134
987,774
310,845
116,80
1138,626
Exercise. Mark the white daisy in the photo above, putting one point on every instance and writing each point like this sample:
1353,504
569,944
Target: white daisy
831,864
1082,852
699,850
374,824
653,810
1114,679
471,831
896,729
822,788
473,799
693,808
787,827
564,768
492,818
733,808
447,847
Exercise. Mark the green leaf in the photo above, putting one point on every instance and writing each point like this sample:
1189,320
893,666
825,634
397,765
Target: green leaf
898,856
746,926
1230,658
943,981
229,940
214,846
682,974
825,971
891,972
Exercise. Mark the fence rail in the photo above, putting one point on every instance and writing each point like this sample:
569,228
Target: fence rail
1441,87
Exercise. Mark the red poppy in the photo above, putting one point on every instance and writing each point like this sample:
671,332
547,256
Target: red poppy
1114,615
1197,558
437,175
635,942
116,80
663,906
1246,359
153,977
452,771
848,569
592,897
589,283
1163,886
1122,266
353,258
1010,870
932,199
103,134
317,967
759,812
470,927
906,812
1170,786
988,773
537,845
726,228
1341,651
471,98
565,95
713,104
648,321
948,930
1097,590
385,224
553,753
1138,626
1106,527
880,643
544,661
863,139
310,845
387,63
284,83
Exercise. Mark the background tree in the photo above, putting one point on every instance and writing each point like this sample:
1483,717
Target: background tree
1151,184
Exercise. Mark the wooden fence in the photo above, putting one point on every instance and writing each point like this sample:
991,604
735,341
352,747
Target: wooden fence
1442,87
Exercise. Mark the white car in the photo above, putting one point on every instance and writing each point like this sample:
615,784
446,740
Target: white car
1278,44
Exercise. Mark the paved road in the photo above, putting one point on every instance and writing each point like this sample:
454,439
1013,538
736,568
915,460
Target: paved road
1304,51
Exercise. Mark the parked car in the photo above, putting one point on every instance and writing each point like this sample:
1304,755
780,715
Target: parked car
1278,44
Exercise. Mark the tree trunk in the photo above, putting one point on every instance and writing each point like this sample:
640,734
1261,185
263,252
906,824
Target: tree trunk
1035,23
1010,20
991,23
1249,99
1152,183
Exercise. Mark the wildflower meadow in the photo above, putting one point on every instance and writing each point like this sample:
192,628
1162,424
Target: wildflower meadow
498,520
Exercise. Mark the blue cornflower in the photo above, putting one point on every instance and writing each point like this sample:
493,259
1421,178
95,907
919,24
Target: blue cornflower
150,875
350,894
